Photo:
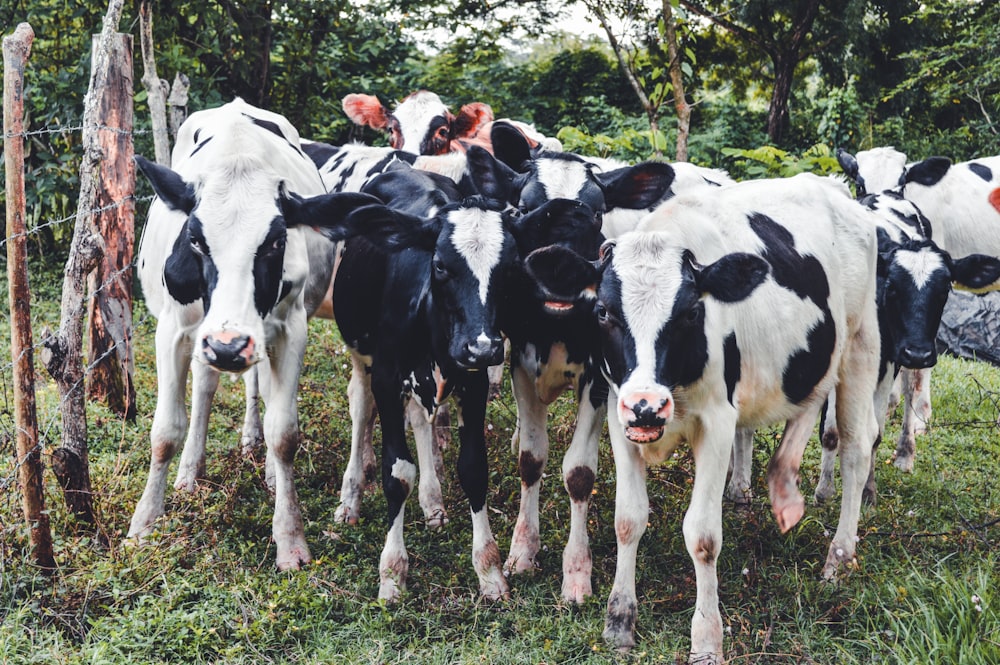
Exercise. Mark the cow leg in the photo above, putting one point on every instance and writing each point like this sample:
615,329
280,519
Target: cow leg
173,358
916,412
738,489
533,451
829,438
473,475
703,535
631,514
204,383
281,434
252,436
399,474
787,503
579,474
858,429
362,408
428,454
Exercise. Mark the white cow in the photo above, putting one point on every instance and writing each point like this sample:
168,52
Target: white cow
225,268
735,307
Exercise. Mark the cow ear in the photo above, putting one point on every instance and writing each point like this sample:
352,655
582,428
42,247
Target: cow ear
391,230
470,120
886,248
733,277
606,253
561,273
168,185
327,213
849,165
182,271
491,178
976,273
510,146
636,187
927,172
366,110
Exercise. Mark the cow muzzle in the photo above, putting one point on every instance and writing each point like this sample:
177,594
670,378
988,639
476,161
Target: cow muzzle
645,414
228,351
481,353
917,358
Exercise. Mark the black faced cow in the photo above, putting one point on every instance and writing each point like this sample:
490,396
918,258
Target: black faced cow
421,316
223,264
735,307
962,203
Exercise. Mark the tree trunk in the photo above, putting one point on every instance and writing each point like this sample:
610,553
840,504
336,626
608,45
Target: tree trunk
110,284
777,113
677,83
16,49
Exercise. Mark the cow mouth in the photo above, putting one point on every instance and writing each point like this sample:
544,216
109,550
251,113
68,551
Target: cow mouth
559,307
643,434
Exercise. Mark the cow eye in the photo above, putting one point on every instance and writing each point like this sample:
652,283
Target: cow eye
440,270
278,244
603,315
199,245
693,316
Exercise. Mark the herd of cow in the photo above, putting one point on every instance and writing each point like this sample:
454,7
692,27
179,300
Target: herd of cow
677,304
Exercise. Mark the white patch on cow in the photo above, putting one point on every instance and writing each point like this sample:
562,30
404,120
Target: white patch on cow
414,115
648,269
921,265
561,178
453,165
881,168
405,472
477,235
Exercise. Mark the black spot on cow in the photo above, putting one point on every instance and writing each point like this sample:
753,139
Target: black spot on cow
731,355
981,170
683,341
928,172
804,276
200,145
267,267
274,129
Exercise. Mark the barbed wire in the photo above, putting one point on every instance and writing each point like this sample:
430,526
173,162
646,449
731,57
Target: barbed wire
70,218
75,128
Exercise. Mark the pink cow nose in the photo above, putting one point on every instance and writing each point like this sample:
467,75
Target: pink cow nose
645,414
228,351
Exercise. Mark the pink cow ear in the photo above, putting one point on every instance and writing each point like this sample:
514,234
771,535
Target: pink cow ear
470,120
366,110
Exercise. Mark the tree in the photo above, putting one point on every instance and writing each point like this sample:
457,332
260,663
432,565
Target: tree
786,31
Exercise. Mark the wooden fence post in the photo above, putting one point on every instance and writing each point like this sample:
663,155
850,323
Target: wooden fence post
110,284
16,49
156,88
62,352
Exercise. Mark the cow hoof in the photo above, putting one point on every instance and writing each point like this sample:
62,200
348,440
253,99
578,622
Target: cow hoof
903,463
706,658
186,483
789,514
838,559
516,565
436,518
824,492
740,497
346,515
293,559
576,591
389,591
494,588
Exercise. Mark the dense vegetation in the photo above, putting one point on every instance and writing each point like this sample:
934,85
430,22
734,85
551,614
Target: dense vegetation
923,76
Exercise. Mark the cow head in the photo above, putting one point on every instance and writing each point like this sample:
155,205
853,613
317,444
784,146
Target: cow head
238,252
527,179
655,338
915,277
873,171
469,255
420,124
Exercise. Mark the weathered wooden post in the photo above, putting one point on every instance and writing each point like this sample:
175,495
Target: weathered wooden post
29,465
110,284
62,352
156,88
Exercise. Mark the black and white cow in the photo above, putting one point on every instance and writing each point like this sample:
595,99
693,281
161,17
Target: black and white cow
422,316
421,124
735,307
914,278
962,203
224,267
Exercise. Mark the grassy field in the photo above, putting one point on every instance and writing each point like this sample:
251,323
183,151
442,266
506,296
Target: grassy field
206,591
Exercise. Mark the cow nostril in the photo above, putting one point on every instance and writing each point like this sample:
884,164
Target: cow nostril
232,353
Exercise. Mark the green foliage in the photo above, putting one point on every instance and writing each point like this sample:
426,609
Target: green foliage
771,162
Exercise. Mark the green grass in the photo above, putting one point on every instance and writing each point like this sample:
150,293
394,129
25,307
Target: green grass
205,589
